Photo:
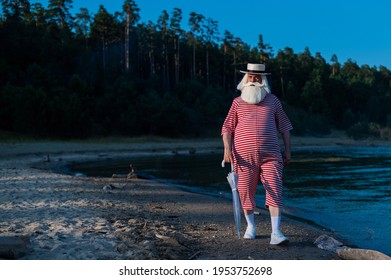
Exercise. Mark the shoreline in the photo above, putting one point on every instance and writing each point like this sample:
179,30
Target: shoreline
81,218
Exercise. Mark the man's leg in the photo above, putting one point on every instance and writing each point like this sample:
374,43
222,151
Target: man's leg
277,237
275,217
251,228
271,178
247,186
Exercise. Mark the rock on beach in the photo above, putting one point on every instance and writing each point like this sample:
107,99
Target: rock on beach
13,247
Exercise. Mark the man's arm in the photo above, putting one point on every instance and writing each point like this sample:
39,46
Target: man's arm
286,138
227,140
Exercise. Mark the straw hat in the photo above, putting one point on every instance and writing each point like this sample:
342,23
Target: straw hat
255,68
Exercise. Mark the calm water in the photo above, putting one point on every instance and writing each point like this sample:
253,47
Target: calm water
347,190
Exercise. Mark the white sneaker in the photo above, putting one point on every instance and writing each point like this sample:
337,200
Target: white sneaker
278,239
250,233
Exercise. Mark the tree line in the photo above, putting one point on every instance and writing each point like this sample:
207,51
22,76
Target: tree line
100,74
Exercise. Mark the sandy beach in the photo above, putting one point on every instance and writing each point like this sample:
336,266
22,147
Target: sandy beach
64,217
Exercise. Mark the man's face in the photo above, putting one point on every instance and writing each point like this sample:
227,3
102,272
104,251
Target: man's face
252,78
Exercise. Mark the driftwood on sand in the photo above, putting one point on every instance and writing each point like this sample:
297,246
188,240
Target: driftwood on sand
131,175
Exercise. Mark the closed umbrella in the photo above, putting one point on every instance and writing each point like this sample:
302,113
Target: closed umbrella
232,179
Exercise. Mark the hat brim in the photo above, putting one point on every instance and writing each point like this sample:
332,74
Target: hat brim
255,72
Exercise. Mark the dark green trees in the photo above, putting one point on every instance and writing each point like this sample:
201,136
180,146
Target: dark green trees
91,74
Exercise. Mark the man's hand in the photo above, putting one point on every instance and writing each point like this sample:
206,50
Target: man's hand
286,155
228,154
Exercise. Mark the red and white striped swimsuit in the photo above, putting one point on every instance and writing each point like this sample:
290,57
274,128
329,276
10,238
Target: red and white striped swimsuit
256,149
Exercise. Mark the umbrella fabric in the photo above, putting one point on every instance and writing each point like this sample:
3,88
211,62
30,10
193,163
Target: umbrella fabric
232,179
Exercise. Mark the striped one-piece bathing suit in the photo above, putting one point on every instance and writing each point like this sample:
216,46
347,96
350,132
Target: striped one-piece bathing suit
256,149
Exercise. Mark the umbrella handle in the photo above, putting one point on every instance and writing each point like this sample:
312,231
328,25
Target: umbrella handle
223,165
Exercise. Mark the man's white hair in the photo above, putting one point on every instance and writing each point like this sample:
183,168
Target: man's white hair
264,84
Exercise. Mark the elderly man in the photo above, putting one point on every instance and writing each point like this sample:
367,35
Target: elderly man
250,136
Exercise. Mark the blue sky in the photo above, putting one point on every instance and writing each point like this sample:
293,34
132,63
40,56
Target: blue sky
350,29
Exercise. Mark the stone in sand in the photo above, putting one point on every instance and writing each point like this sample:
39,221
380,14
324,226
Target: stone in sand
13,247
361,254
327,243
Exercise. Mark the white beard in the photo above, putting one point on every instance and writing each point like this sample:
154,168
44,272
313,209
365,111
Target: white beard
253,93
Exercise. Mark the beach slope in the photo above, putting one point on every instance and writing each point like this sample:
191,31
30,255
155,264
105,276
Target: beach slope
61,217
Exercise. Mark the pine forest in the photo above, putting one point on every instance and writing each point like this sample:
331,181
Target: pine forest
94,74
